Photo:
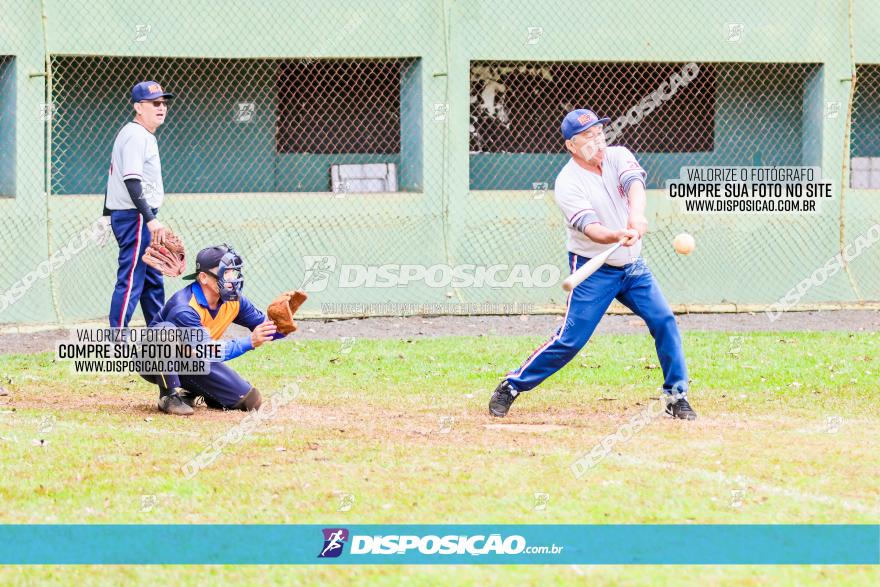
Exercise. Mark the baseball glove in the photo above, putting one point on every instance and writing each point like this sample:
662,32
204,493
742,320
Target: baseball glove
282,309
169,258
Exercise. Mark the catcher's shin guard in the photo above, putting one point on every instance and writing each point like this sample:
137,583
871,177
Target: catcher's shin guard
251,401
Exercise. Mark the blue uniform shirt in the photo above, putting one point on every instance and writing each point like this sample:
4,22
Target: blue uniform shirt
188,308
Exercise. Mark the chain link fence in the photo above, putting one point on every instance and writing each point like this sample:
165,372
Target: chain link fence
236,125
866,129
399,161
671,114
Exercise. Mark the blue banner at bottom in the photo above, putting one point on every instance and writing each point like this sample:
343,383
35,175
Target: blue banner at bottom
441,544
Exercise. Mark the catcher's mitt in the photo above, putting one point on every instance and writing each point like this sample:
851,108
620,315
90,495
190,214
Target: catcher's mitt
169,258
282,309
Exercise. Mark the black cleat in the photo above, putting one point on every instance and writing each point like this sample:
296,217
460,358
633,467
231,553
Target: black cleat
502,399
681,409
173,404
195,400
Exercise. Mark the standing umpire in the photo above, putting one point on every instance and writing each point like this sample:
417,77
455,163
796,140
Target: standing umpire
134,195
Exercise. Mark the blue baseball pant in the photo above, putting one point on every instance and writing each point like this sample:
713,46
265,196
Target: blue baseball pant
135,281
635,287
222,387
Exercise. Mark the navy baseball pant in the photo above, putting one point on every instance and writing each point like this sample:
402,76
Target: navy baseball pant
222,387
635,287
135,281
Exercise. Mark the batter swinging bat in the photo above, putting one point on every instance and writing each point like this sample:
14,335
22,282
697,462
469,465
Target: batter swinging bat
588,268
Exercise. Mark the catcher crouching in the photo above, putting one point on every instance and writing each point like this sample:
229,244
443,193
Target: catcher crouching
213,302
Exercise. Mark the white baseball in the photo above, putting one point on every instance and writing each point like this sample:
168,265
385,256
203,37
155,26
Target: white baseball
684,244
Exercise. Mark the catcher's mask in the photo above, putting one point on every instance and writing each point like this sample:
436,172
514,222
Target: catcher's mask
229,276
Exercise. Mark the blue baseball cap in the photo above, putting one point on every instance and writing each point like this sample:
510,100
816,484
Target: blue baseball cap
148,91
208,258
577,121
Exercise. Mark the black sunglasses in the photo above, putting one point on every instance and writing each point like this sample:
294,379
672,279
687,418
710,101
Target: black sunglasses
156,103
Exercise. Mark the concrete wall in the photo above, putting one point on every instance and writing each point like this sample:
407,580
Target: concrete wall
739,260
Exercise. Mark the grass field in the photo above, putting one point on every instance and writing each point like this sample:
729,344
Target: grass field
397,431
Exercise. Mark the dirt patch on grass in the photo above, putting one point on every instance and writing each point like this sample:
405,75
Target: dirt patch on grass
27,341
536,428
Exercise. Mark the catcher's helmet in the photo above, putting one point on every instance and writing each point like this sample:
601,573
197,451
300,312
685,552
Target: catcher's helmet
229,275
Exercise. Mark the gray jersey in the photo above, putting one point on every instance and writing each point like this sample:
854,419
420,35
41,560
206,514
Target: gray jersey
135,156
586,197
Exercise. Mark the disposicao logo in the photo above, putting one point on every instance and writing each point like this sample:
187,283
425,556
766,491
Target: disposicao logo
334,540
408,544
472,545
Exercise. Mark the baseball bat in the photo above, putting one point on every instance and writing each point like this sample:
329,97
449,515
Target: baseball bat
588,268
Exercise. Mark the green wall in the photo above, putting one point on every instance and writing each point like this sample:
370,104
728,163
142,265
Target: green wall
738,260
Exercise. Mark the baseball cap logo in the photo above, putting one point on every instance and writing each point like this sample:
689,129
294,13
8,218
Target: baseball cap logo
334,540
585,118
153,88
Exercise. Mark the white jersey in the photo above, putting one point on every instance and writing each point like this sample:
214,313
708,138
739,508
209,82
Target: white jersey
585,197
135,156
